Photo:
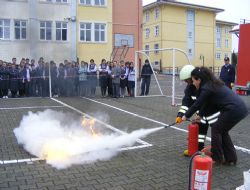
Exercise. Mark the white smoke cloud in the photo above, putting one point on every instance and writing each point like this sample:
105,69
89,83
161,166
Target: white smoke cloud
60,139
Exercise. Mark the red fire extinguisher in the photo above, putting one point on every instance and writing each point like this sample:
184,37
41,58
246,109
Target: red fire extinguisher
200,172
193,130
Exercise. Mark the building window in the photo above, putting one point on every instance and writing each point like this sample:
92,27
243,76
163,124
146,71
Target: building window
100,32
190,32
20,29
99,2
156,47
93,32
85,32
157,30
61,1
147,16
61,31
147,48
190,51
93,2
218,29
85,2
156,63
217,56
5,29
225,55
45,30
157,12
226,43
54,1
226,30
218,43
147,32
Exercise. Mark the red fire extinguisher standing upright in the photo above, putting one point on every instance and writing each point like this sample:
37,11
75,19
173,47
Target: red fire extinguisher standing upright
193,130
200,172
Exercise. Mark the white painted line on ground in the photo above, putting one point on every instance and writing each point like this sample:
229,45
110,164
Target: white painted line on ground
31,107
99,121
134,114
158,122
31,160
27,160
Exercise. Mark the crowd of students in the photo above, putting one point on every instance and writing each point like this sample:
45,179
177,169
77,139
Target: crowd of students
69,78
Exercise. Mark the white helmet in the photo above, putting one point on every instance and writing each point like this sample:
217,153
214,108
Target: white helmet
185,72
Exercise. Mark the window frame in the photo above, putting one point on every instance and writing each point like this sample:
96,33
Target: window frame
20,29
218,29
45,32
61,30
218,42
147,48
92,32
226,43
147,16
156,46
100,32
157,12
218,56
101,3
4,28
157,30
147,32
61,1
85,29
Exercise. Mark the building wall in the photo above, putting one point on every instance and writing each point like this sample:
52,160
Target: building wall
94,14
32,47
127,20
224,50
173,34
11,47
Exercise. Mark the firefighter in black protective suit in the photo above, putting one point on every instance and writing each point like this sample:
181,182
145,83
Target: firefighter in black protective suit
187,101
228,109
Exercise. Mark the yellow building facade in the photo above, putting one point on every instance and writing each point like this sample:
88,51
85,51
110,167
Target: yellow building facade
94,30
189,27
223,41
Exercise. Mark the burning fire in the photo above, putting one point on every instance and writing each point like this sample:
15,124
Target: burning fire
89,122
70,145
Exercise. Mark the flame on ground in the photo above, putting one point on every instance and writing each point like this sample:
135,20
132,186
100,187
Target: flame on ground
89,123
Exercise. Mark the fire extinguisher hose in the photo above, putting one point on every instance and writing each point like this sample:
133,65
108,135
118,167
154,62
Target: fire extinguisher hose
172,124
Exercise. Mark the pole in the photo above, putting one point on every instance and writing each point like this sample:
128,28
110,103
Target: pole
50,94
137,72
173,80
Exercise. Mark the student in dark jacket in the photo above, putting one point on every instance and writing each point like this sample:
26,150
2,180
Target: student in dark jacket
146,78
214,95
26,79
103,76
227,73
4,79
92,77
13,80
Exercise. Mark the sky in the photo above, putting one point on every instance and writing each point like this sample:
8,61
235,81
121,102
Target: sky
235,11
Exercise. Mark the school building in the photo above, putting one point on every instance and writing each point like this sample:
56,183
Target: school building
70,29
189,27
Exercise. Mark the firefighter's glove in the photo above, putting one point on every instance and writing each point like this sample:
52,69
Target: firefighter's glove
178,120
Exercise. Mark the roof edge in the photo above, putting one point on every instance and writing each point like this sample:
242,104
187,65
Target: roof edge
182,4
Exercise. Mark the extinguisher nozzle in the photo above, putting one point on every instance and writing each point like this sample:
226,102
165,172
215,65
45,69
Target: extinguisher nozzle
169,125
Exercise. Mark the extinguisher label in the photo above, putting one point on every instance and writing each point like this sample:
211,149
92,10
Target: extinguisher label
201,179
200,186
